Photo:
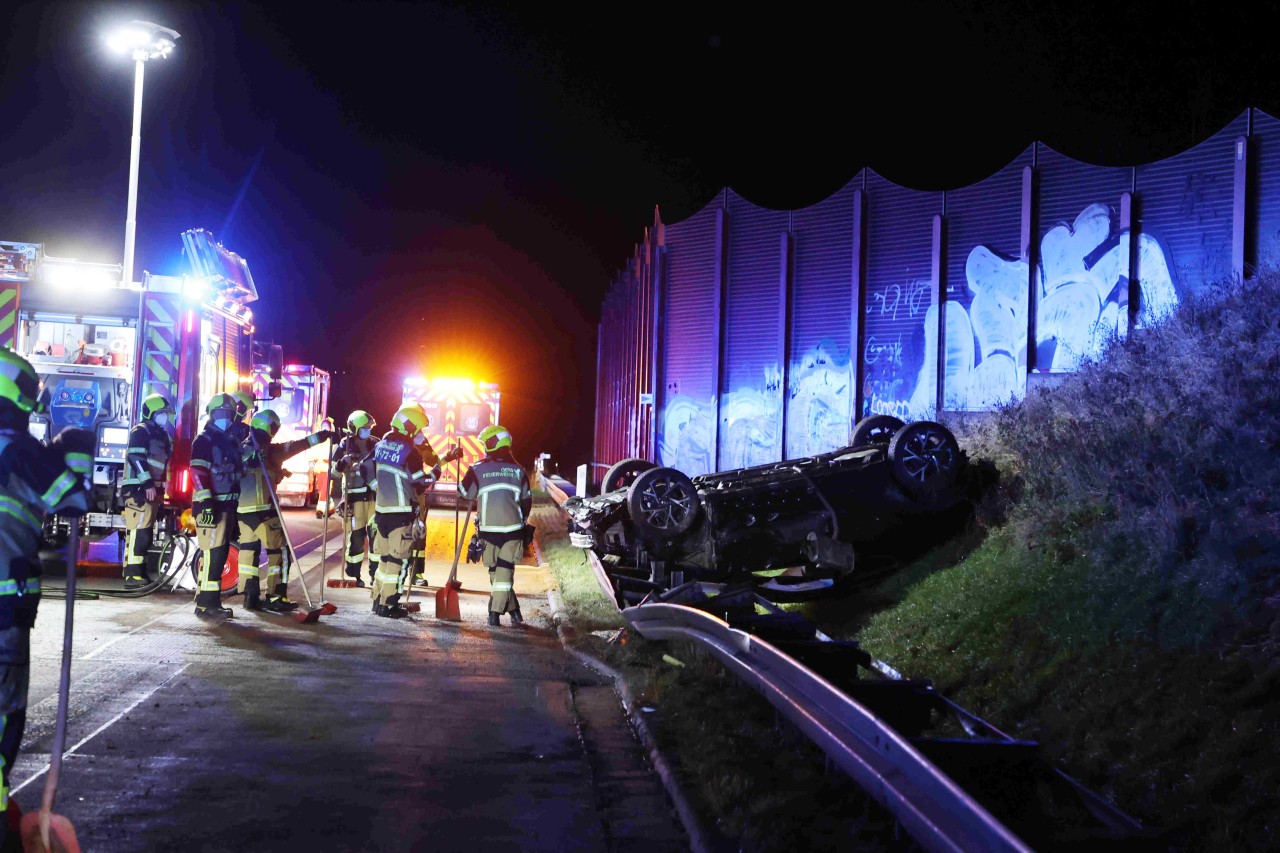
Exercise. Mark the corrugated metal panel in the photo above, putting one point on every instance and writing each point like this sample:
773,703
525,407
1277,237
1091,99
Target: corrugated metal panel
1184,216
820,383
1082,254
750,430
988,287
1264,153
690,343
899,302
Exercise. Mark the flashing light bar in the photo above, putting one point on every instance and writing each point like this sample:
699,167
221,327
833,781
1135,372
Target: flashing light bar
446,382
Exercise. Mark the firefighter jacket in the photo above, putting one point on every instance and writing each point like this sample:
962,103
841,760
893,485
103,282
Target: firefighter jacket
148,458
254,495
354,462
216,466
400,472
500,487
34,481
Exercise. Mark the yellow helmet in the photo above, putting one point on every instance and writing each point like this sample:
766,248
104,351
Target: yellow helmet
221,401
19,383
494,437
244,402
267,421
360,419
154,404
410,419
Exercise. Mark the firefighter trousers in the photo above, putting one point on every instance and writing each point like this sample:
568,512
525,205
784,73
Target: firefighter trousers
357,533
215,546
259,530
500,557
139,523
15,670
394,544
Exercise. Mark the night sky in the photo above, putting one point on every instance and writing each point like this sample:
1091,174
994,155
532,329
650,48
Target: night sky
449,189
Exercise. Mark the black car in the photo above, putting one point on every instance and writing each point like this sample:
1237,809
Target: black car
796,529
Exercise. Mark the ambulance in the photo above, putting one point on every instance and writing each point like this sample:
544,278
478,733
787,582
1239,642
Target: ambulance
459,409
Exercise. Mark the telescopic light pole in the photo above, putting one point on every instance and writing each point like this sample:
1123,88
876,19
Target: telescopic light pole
142,40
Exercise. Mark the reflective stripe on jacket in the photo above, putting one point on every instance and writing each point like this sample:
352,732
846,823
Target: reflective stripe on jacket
148,457
253,485
216,466
400,473
501,488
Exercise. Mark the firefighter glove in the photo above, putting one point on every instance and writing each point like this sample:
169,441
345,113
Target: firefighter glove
475,549
452,455
204,514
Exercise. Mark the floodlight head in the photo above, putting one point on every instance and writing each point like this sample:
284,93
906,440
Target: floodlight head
143,40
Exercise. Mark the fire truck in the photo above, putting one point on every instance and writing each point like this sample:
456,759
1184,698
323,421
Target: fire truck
100,345
302,402
459,410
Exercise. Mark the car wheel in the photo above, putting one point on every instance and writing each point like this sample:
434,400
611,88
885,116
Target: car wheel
663,503
875,430
622,474
925,457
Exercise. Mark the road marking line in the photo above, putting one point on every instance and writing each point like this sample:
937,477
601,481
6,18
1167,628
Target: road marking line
109,643
102,727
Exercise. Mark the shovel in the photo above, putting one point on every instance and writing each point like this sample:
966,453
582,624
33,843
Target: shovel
447,595
43,830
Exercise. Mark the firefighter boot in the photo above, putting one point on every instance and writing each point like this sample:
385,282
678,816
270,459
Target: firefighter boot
516,618
279,599
493,619
252,594
353,572
209,607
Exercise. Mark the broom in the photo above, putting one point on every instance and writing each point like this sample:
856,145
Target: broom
44,831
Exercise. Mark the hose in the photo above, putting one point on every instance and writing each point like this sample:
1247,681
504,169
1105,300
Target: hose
91,594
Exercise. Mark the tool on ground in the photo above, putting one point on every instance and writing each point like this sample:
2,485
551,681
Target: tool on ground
312,613
414,607
325,606
447,596
43,830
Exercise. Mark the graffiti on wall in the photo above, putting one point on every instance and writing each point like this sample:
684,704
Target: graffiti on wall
686,438
820,402
750,423
1083,288
1082,303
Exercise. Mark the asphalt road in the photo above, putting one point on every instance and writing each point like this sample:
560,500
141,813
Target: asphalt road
356,733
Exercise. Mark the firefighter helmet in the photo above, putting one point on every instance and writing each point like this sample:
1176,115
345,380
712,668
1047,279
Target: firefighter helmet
244,402
221,401
154,404
410,419
494,437
360,419
267,421
19,384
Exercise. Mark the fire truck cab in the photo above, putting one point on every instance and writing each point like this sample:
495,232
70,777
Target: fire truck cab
101,345
459,409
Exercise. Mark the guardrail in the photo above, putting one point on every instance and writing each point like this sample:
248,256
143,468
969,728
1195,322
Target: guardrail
946,792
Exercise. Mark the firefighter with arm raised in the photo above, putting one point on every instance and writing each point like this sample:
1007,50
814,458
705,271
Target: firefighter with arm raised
500,487
260,525
143,488
401,464
216,469
353,461
35,481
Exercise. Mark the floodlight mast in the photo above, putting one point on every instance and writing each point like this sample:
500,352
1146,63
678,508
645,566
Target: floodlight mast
142,40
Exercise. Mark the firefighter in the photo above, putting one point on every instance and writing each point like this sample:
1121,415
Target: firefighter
353,461
148,462
500,486
34,481
402,461
259,523
217,466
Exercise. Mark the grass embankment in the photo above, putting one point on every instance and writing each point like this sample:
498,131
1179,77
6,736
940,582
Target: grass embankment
1118,601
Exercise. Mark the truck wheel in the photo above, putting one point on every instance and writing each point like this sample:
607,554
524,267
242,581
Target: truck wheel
622,474
874,430
925,457
663,503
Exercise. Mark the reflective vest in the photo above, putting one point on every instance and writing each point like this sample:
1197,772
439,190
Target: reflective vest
216,466
501,490
355,464
148,457
400,472
34,481
254,496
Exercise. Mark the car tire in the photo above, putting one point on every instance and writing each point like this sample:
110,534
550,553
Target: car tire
925,458
622,474
663,504
875,430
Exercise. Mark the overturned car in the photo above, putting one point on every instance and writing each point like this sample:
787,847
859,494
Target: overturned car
797,529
